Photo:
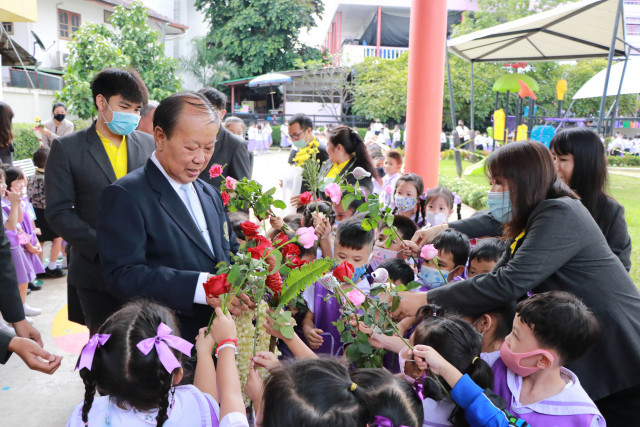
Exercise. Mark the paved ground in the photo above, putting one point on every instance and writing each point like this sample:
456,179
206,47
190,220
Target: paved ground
32,399
632,172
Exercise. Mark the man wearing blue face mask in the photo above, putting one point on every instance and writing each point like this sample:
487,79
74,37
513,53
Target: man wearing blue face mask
79,167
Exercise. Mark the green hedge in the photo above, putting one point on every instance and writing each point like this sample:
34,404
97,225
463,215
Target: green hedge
623,161
25,141
471,194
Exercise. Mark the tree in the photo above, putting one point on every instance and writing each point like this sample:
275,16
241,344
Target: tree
132,44
328,84
262,35
208,65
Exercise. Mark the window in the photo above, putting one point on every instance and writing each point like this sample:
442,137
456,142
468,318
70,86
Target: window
68,23
107,16
8,27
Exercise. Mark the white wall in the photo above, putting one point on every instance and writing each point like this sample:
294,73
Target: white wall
28,104
311,108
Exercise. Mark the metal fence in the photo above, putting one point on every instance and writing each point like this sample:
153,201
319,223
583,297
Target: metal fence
318,120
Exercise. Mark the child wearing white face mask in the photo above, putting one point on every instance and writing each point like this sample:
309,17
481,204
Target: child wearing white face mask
409,198
406,229
453,252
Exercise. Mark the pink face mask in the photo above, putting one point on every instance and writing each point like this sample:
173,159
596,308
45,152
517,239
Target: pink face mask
512,360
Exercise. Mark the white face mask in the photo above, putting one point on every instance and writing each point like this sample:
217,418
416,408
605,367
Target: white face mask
431,277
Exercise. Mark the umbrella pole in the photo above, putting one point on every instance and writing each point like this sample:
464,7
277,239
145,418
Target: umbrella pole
506,120
615,104
612,49
472,123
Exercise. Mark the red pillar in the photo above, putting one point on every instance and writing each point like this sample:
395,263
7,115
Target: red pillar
339,15
427,44
380,30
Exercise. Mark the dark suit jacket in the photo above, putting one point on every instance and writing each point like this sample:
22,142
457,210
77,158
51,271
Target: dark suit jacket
232,152
158,252
78,170
564,249
483,224
10,302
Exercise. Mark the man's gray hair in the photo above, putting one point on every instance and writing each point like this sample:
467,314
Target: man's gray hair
151,105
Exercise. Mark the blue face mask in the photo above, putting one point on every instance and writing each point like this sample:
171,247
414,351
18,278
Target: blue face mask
405,204
500,205
431,277
122,123
359,272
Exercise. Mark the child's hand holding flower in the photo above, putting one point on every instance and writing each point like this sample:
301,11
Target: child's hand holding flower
223,326
204,343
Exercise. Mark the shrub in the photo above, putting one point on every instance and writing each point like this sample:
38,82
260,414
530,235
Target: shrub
627,160
25,141
471,194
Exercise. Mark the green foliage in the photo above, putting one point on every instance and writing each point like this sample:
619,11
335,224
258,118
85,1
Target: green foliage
132,44
249,194
471,194
209,65
380,88
623,161
25,142
262,35
301,278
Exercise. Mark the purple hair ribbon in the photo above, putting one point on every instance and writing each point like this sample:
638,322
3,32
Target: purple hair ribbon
418,385
89,350
456,199
380,421
162,341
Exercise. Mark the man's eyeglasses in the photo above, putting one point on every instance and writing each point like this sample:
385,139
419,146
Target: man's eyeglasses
296,136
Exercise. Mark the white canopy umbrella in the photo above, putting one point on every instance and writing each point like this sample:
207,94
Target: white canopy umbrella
573,31
630,83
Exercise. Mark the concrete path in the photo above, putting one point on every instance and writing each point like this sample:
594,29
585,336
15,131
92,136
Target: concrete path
32,399
632,172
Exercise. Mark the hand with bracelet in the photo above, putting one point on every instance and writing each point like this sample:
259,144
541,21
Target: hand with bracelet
223,330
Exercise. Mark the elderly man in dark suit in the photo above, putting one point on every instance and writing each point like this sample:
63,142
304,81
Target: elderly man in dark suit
79,167
161,230
231,150
27,344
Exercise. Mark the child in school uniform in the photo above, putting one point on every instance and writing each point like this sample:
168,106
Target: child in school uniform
409,198
381,252
485,255
453,252
354,245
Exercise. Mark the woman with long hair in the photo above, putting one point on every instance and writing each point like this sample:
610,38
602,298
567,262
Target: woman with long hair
346,152
6,134
554,244
578,155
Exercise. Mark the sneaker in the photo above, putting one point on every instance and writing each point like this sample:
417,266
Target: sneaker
30,311
28,319
7,328
56,272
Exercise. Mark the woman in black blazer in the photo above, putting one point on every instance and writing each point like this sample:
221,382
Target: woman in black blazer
554,244
346,152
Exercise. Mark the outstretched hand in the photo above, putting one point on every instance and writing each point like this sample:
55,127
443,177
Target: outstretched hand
34,356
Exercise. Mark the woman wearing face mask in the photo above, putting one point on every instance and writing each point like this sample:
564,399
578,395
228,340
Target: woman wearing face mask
580,162
554,244
56,126
347,152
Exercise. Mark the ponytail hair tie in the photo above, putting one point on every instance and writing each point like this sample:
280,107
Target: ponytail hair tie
423,196
474,360
353,387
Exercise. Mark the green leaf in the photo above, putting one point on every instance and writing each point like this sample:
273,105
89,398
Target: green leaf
299,279
347,200
339,326
279,204
413,285
376,290
287,331
347,337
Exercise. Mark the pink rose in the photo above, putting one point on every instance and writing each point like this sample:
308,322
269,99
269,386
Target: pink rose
306,236
230,183
388,189
334,192
215,171
356,297
428,252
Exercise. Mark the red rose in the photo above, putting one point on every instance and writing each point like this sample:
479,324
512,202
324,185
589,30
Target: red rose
297,262
305,198
249,229
225,198
280,239
217,285
343,272
290,250
261,245
215,171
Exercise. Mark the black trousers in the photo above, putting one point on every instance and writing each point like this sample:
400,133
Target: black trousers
97,306
621,408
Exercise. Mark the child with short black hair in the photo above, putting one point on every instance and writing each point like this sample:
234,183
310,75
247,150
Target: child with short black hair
134,361
453,252
392,167
550,330
406,229
400,273
344,214
353,244
485,255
